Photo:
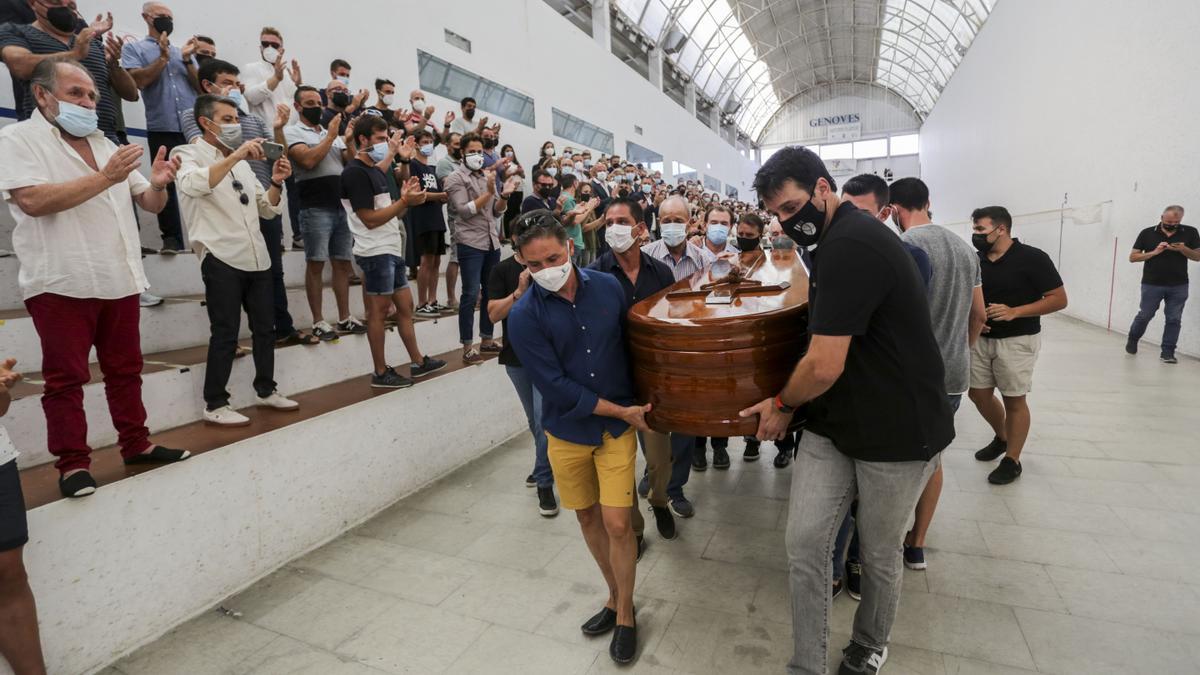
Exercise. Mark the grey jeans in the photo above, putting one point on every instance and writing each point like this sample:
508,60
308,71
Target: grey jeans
824,483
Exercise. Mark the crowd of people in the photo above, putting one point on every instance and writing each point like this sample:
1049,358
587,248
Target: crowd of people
902,328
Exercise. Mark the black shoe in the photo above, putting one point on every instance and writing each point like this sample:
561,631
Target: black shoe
837,587
751,453
992,450
854,579
1008,471
681,507
530,482
297,243
390,379
1168,357
171,246
782,458
1131,346
146,250
720,458
159,455
623,647
665,522
861,660
641,548
428,365
604,621
700,459
547,505
351,326
643,487
79,484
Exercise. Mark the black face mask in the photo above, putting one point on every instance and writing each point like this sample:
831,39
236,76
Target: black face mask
164,24
469,114
489,143
62,18
340,99
805,226
1169,229
748,244
584,196
311,115
202,59
980,241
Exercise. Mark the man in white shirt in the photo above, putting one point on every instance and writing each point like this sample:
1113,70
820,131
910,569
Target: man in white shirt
223,201
70,191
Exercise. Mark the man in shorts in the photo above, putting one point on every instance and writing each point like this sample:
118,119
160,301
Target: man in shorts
429,224
379,247
568,331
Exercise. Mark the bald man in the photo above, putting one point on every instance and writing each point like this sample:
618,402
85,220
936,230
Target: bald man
672,248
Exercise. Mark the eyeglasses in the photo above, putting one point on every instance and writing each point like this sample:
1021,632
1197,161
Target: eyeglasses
242,196
264,44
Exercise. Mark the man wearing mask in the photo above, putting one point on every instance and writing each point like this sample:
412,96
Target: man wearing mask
224,202
588,409
1020,285
385,99
342,105
446,166
668,456
428,223
1165,251
466,121
421,114
168,81
317,154
74,215
673,248
339,69
872,354
478,201
543,189
716,243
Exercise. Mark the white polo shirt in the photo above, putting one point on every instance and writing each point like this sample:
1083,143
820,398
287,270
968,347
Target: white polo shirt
90,251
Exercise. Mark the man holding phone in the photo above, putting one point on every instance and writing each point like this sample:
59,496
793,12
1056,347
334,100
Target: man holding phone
220,78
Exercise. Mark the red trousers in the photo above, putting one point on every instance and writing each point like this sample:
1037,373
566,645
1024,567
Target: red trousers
68,328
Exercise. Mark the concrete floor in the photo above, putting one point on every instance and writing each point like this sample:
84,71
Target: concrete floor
1089,563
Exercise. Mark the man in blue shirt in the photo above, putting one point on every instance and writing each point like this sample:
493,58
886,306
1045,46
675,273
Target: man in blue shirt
569,333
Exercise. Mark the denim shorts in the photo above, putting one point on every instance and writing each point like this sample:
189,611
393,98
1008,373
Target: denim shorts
326,234
383,274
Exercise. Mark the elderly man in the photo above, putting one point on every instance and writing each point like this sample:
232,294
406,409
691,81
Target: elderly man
343,106
167,77
1165,249
673,248
224,202
81,267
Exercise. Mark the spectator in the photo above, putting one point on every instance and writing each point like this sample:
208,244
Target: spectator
224,202
446,166
385,98
1165,249
206,50
543,186
466,122
343,106
429,223
477,201
673,249
339,70
379,248
271,82
589,222
20,643
317,154
574,214
1020,285
167,78
219,78
518,197
420,115
74,216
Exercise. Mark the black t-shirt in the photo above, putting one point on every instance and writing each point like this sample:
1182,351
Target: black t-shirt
889,405
360,183
534,202
505,278
1022,275
653,276
427,217
1168,268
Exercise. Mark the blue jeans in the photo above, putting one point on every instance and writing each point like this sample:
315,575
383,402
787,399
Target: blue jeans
474,268
1174,298
531,401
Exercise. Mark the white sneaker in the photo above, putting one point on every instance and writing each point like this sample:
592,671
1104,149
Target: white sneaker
226,417
277,401
147,299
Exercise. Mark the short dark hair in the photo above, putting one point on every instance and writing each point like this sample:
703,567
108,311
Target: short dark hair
752,220
301,89
568,181
870,184
423,132
538,173
379,82
466,100
468,137
635,209
910,193
997,214
339,63
794,163
718,207
205,38
214,67
537,224
366,125
206,105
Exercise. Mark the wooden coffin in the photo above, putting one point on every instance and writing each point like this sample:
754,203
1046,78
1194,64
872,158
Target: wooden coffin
699,364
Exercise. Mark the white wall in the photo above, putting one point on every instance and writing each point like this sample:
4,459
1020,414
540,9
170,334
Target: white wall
522,44
882,113
1094,99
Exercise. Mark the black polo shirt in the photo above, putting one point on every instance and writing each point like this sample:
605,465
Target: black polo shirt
1168,268
889,405
505,278
427,217
1021,276
653,276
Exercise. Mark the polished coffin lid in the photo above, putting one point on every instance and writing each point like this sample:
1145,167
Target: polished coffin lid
699,364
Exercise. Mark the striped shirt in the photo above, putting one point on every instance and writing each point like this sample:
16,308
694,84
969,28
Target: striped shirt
252,127
40,43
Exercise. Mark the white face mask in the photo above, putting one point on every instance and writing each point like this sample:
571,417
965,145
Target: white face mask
602,175
673,233
270,55
553,278
619,237
418,105
388,99
474,161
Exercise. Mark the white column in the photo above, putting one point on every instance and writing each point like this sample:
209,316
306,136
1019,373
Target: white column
656,68
714,118
602,24
689,98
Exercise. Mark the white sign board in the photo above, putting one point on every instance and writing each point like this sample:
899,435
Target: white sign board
840,133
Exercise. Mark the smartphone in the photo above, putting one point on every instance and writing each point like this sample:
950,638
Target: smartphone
273,151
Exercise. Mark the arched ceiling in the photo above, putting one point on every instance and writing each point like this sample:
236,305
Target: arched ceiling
751,56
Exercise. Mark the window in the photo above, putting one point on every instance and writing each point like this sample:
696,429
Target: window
446,79
684,172
731,191
572,128
457,40
871,149
711,183
637,154
837,151
904,145
767,152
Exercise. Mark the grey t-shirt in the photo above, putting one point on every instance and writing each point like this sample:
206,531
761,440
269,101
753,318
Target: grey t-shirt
955,276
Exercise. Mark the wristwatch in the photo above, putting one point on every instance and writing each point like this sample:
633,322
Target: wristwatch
783,407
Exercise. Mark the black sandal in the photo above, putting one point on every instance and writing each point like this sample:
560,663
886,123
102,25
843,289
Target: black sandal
159,455
298,338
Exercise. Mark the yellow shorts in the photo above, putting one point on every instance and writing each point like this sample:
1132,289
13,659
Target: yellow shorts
585,474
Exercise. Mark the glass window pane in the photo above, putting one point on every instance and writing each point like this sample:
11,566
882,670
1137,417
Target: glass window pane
871,149
582,132
905,145
448,80
837,151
